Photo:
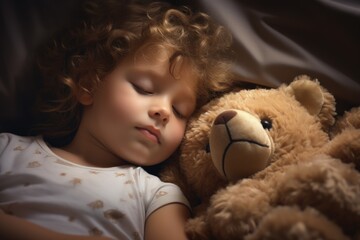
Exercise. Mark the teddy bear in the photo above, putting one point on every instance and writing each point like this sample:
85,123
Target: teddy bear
271,163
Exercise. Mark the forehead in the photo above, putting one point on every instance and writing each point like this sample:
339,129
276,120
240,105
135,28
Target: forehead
165,61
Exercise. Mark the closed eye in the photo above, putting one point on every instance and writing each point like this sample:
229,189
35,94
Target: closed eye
178,114
141,90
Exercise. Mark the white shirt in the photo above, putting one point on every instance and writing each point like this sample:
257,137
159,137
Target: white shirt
45,189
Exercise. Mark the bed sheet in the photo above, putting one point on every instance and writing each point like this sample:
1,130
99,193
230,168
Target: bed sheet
273,42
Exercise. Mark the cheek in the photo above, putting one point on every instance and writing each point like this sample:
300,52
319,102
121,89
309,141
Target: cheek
176,134
121,105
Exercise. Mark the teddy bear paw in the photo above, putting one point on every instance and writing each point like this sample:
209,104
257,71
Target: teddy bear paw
197,229
346,147
293,223
326,184
234,212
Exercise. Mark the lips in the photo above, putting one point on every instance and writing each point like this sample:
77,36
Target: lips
150,133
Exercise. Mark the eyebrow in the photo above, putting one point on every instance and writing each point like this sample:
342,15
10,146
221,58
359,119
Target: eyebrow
150,73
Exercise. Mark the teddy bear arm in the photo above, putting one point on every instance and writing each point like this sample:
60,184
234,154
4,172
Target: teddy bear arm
235,211
197,229
293,223
346,147
350,119
327,185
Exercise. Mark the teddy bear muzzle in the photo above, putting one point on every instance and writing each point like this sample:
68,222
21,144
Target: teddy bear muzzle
240,146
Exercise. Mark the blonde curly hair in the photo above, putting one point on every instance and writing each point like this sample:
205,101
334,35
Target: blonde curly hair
108,31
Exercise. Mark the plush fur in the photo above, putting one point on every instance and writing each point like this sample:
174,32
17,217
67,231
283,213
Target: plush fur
271,164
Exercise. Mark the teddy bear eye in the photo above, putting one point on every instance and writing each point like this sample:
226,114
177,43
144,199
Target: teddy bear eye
207,148
266,123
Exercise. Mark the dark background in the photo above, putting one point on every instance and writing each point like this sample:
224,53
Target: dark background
273,40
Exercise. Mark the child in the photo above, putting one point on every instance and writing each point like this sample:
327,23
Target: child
119,89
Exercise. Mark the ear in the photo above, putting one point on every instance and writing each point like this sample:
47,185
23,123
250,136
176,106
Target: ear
316,99
85,97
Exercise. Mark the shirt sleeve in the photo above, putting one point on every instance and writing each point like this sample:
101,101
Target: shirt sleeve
4,142
160,193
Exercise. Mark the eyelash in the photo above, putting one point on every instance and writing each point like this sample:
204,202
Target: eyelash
140,90
178,114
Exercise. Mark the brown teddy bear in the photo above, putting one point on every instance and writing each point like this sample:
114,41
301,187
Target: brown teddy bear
262,164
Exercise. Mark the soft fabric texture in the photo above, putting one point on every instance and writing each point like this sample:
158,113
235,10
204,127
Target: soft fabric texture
279,39
45,189
253,157
273,42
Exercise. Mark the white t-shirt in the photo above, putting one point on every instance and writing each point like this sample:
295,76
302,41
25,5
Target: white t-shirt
37,185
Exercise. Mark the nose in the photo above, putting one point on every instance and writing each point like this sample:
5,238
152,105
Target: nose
160,114
224,117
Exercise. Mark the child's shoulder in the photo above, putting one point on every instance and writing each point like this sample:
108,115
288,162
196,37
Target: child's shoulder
10,137
7,139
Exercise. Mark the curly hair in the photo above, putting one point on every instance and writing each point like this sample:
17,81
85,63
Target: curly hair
79,58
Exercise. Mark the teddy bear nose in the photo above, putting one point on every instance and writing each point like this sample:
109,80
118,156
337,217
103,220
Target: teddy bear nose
224,117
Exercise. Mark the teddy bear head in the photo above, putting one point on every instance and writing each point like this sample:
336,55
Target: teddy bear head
241,134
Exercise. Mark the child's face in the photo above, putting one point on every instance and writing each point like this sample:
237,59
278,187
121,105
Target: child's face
140,110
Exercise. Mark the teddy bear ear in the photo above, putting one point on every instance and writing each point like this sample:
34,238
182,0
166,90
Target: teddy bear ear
316,99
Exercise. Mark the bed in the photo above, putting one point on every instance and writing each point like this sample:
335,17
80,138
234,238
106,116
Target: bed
273,42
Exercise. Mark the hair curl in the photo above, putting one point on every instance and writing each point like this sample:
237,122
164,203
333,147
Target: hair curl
79,58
